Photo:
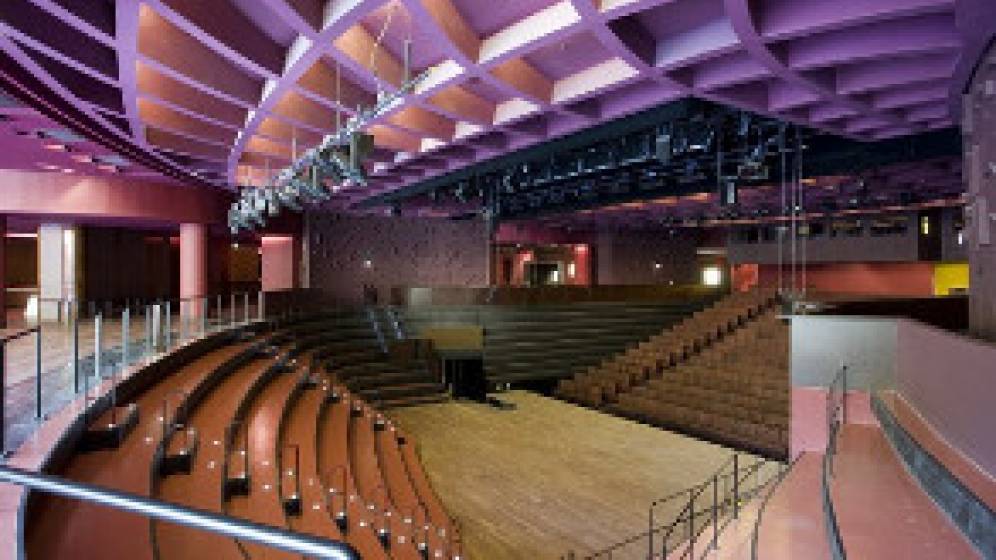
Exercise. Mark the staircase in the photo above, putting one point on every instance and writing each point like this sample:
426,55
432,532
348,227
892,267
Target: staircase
356,352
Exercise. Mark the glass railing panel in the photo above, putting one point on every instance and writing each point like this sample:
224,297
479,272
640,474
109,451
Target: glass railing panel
85,347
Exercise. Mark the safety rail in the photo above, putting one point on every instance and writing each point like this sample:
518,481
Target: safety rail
836,418
731,485
83,344
266,535
18,334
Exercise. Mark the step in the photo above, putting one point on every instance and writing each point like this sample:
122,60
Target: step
400,391
414,401
398,378
125,468
202,486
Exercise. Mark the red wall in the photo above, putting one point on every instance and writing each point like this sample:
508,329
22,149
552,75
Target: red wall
880,279
279,262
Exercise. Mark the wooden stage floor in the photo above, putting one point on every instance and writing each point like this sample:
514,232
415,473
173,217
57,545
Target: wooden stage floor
549,477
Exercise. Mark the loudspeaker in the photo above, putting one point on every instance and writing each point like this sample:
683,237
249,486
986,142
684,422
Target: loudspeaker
728,193
360,146
662,149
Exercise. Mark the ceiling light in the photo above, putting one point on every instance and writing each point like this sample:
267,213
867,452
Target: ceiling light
55,147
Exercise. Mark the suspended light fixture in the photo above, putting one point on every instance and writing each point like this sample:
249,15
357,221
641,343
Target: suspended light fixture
337,159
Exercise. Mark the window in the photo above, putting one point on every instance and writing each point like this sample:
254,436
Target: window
712,276
811,229
747,235
846,228
889,225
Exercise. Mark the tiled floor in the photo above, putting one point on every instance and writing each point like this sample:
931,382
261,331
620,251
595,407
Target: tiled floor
881,511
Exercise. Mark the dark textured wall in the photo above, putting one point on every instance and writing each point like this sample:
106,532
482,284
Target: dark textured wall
632,258
122,263
400,251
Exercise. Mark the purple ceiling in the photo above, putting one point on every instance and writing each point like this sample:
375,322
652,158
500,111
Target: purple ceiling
221,90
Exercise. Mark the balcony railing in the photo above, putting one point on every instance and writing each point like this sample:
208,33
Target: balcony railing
240,529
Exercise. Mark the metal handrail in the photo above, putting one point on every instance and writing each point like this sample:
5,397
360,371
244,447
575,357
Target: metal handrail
836,417
265,535
688,512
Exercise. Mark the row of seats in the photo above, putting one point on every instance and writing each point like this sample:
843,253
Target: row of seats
549,341
736,392
252,429
603,383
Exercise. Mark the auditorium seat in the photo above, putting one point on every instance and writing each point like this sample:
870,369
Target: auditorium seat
729,384
602,384
528,342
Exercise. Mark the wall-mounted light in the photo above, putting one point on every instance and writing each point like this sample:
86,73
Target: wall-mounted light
712,276
367,263
658,266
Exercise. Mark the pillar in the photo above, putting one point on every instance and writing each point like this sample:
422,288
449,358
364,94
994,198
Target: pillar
193,265
979,130
60,273
279,262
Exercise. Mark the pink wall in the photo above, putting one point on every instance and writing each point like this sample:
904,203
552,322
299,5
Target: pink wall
278,262
744,277
582,265
54,194
881,279
808,422
951,381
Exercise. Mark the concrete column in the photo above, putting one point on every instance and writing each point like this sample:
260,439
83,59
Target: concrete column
979,129
279,256
193,264
59,269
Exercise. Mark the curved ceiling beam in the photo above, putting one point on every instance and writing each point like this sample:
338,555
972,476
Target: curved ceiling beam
126,29
78,115
306,50
743,24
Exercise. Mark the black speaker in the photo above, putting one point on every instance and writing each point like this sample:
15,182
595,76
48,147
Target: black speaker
360,145
662,149
728,193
